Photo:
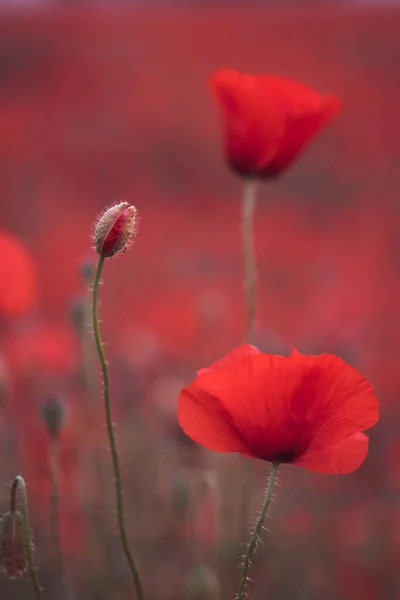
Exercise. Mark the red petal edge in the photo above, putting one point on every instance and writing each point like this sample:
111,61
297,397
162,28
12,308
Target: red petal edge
231,359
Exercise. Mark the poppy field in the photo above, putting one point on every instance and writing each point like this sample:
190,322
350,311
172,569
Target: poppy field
199,303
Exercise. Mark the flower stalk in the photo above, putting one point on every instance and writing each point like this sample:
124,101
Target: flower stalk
66,583
250,270
250,299
255,536
111,436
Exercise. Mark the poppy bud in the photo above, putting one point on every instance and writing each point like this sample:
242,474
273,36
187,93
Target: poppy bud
77,314
53,414
209,483
115,229
87,270
202,584
13,559
180,497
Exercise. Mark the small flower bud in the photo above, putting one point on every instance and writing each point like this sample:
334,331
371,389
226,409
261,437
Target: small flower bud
77,314
180,497
115,229
53,414
88,269
13,559
209,482
202,584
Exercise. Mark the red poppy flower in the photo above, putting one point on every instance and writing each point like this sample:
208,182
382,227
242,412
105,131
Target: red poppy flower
305,410
268,120
18,278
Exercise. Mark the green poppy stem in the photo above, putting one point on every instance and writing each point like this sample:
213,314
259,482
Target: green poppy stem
62,567
249,255
113,447
255,537
249,202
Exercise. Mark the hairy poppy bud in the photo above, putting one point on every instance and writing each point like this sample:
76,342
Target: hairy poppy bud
53,414
13,559
115,229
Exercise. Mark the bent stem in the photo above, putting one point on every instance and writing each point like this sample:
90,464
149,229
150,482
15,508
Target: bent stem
255,537
249,256
19,482
111,436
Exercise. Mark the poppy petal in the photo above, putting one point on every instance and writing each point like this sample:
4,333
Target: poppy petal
253,124
206,421
232,358
344,457
250,401
301,129
18,277
340,400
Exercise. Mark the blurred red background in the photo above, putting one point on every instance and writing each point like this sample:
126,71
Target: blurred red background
104,106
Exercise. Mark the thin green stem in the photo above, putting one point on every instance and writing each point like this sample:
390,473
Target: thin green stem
111,436
249,255
19,482
92,464
67,587
223,544
250,299
89,372
257,530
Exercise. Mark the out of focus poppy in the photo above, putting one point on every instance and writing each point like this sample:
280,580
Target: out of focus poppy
303,409
18,278
45,348
268,120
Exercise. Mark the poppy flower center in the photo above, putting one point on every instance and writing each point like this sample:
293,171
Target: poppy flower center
286,456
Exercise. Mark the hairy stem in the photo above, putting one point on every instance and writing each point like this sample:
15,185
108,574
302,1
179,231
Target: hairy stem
250,271
19,482
257,530
111,436
89,357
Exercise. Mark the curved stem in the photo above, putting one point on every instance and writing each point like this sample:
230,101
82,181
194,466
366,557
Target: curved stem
111,436
257,530
250,272
19,482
